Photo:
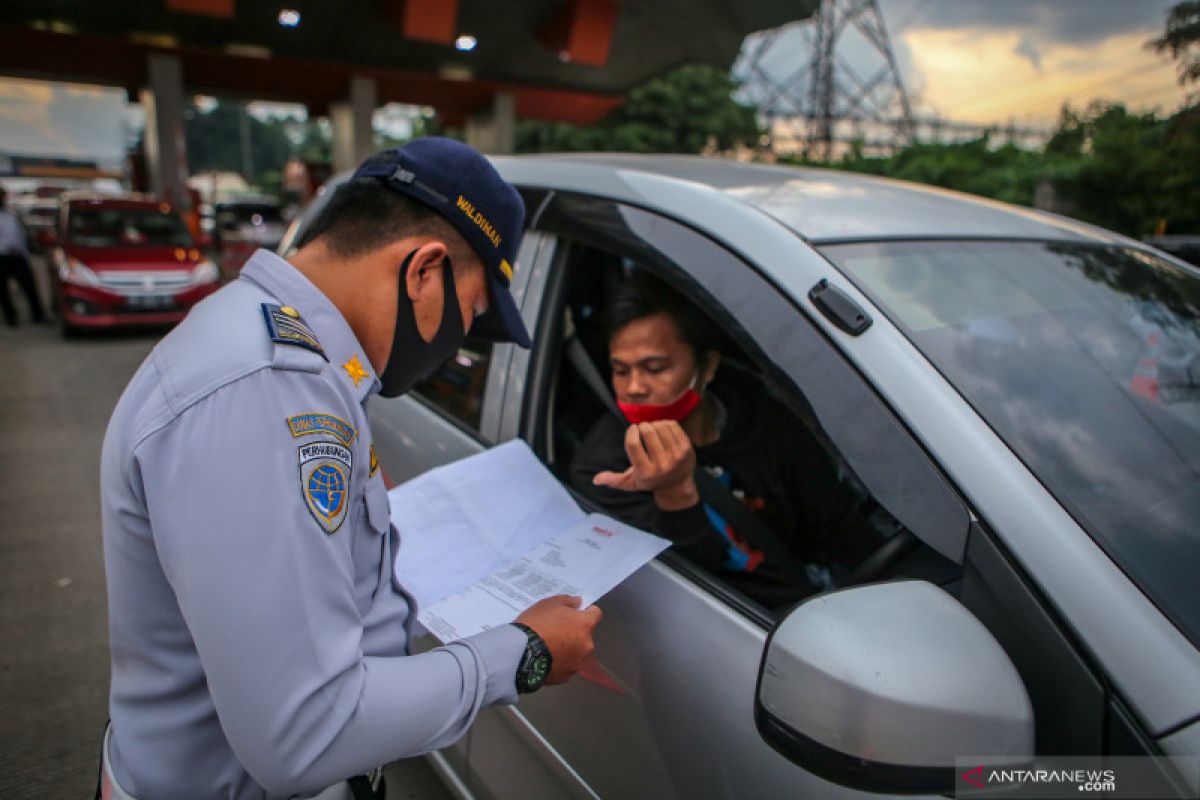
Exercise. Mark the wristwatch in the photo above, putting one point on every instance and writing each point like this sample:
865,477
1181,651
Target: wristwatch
534,667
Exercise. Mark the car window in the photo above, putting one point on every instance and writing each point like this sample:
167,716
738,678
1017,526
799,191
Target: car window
1085,359
769,345
100,226
457,386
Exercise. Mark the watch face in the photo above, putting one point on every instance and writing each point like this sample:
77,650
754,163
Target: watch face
539,669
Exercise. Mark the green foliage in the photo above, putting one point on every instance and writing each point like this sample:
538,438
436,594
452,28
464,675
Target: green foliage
310,141
1124,171
1007,173
214,142
684,111
1182,39
1133,169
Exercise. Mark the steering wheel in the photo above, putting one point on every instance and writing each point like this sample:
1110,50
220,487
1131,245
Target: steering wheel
885,557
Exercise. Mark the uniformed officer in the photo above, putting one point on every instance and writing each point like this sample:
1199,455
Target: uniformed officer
259,640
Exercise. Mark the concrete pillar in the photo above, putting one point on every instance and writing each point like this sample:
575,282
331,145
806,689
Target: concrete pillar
353,135
494,131
166,146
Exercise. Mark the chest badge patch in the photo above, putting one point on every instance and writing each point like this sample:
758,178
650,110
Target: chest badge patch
308,424
354,369
325,469
374,462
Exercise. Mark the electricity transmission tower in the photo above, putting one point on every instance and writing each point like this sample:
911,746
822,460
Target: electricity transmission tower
823,99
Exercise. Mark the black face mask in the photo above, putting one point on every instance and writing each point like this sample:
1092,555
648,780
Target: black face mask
412,357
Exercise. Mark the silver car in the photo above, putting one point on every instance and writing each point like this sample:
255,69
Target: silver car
1016,394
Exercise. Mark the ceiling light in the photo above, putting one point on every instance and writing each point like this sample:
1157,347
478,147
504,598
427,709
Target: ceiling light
289,18
465,43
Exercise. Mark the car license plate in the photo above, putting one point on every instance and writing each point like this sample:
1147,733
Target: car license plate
149,301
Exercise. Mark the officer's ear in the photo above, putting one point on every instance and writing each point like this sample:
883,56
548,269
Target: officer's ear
424,273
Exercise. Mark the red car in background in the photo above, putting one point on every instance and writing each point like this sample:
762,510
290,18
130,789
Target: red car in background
126,261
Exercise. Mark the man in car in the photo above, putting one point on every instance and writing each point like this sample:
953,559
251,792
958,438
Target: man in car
677,413
259,639
14,265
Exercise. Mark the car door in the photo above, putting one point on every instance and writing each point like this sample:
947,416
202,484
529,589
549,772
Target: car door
666,709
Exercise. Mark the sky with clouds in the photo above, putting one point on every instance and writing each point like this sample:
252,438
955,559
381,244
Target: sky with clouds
991,60
988,61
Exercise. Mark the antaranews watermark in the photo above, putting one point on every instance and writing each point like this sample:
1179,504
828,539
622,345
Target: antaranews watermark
1116,777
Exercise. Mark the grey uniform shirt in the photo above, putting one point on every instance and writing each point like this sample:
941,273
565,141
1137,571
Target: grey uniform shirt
258,637
12,235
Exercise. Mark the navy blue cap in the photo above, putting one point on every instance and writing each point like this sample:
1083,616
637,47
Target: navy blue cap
458,182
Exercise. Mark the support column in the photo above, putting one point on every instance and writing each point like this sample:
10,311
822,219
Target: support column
494,131
353,134
165,144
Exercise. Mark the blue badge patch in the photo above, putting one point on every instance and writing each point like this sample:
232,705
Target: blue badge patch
325,469
305,424
286,326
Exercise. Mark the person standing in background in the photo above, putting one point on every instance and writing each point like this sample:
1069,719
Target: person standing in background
14,264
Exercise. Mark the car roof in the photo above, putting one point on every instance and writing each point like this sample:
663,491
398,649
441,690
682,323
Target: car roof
822,205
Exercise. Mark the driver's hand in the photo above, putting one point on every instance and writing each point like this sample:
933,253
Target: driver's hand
662,460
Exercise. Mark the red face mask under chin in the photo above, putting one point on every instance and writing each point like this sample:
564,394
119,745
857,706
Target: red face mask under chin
651,412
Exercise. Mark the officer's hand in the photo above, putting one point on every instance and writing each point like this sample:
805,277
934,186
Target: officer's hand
662,460
566,630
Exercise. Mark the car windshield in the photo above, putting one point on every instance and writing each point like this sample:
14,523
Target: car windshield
1086,360
99,226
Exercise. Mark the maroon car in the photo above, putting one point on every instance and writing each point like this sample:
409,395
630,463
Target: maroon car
126,261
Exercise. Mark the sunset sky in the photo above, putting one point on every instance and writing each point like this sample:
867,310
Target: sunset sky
971,60
980,61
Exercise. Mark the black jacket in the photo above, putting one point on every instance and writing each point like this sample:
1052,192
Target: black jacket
775,466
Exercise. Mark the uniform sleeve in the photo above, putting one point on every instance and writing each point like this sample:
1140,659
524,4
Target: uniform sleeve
268,597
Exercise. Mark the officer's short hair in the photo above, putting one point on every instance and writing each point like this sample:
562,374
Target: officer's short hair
364,215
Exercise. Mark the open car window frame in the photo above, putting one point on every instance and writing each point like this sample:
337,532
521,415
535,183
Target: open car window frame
731,291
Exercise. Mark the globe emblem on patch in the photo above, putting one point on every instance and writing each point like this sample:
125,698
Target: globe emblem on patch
327,488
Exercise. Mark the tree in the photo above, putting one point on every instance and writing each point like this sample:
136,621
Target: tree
1182,40
683,111
214,142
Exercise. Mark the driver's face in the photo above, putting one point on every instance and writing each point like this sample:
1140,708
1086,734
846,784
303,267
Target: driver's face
650,362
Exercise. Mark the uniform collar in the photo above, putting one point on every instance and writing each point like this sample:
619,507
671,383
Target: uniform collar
290,287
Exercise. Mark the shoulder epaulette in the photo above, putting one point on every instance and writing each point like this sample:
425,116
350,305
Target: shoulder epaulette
286,326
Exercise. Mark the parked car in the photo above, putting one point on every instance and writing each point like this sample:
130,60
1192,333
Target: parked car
1020,392
125,261
242,226
39,215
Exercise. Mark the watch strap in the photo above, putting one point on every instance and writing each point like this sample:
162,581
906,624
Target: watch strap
535,663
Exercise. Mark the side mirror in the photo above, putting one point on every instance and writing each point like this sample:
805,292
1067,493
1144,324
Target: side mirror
882,687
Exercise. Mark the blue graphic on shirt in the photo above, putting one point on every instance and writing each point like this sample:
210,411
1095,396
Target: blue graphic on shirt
739,555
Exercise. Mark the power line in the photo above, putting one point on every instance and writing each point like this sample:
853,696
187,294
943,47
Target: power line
828,93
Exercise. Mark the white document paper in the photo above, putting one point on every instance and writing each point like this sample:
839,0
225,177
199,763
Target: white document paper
484,538
588,559
464,521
